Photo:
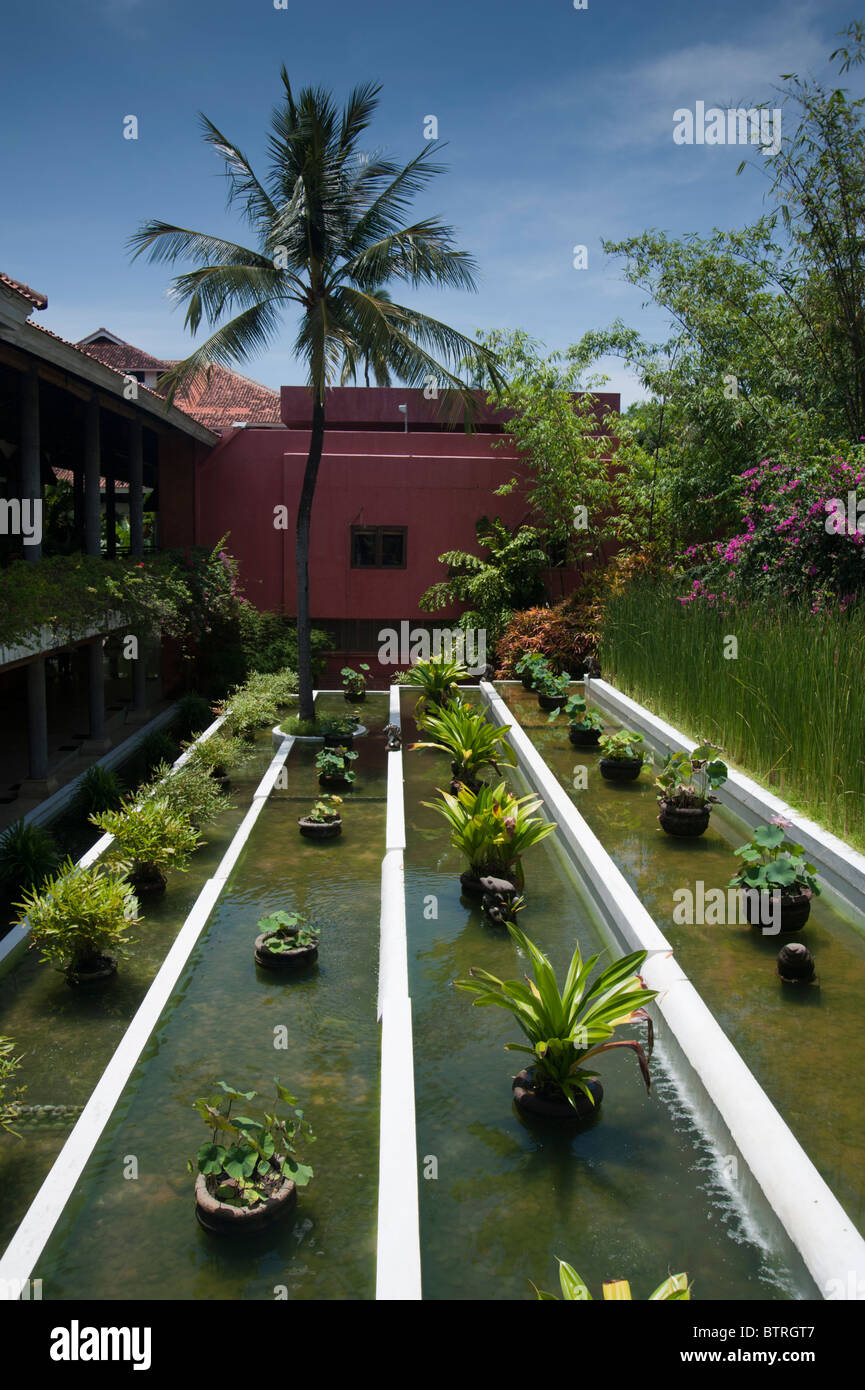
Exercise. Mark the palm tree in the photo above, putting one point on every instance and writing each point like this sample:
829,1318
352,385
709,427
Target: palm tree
329,228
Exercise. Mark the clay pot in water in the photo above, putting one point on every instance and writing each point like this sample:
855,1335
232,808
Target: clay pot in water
283,960
795,910
583,738
684,821
320,829
553,1106
796,964
620,769
147,880
92,971
225,1220
552,701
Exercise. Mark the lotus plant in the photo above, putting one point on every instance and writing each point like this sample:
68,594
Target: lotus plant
689,779
566,1028
470,739
579,714
772,863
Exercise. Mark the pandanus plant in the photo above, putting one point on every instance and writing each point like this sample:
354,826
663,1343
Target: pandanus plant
472,742
493,828
566,1028
574,1289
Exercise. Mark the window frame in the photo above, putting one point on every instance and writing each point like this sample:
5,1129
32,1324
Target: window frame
378,532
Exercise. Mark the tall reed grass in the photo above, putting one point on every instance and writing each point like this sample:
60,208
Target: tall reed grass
789,709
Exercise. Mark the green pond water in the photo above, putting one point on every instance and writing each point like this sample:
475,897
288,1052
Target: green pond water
636,1194
122,1238
67,1036
804,1044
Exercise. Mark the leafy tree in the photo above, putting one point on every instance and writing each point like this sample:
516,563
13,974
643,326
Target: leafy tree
507,578
329,229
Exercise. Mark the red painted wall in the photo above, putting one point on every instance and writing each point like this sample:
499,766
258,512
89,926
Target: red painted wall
433,481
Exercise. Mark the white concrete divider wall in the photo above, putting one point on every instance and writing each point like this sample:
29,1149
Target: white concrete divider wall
842,868
816,1223
23,1251
398,1265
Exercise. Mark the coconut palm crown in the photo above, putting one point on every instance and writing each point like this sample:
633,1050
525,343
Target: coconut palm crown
330,232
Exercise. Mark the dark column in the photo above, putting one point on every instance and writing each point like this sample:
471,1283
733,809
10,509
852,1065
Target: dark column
110,514
38,783
97,742
31,468
92,513
78,503
136,489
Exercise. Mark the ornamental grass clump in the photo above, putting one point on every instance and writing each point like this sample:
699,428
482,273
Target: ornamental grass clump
28,854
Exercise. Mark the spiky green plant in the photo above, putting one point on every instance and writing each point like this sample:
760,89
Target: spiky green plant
470,739
152,835
566,1028
575,1290
100,789
79,914
493,828
28,854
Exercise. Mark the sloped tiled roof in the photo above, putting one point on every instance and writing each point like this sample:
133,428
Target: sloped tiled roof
215,401
40,300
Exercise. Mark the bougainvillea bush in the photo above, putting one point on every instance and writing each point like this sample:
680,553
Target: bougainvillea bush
802,537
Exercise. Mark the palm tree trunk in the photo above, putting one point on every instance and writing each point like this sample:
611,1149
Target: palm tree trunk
304,514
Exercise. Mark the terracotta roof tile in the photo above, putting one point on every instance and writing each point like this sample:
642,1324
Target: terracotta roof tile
40,300
227,396
123,357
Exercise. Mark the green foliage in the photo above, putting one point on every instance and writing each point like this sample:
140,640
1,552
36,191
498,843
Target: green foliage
334,762
191,791
79,914
9,1095
302,728
562,436
772,863
688,779
157,747
470,739
336,727
493,828
219,753
252,1149
28,854
437,679
354,682
555,687
286,931
100,789
575,1290
624,746
566,1028
153,834
507,578
325,810
531,665
761,707
579,715
248,710
194,713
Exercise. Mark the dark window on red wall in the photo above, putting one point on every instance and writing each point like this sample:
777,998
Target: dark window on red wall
378,547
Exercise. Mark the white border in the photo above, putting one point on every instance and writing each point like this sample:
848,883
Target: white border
26,1246
398,1263
826,1238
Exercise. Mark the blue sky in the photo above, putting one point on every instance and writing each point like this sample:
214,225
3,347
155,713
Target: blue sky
558,122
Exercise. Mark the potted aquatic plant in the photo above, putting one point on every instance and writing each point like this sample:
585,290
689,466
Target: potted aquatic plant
438,679
585,722
286,941
622,756
530,666
551,690
332,766
674,1289
337,732
685,790
219,754
80,919
567,1028
324,820
773,864
470,739
248,1173
492,828
10,1094
149,839
354,682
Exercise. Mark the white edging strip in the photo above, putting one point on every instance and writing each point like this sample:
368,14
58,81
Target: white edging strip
812,1216
398,1266
13,944
31,1237
842,867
